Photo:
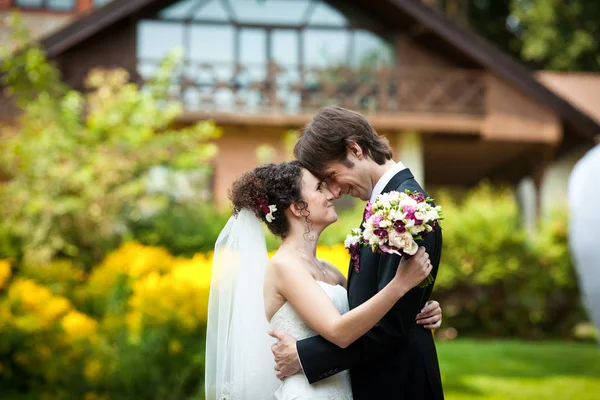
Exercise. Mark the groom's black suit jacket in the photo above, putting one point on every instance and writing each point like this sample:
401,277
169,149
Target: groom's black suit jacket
396,359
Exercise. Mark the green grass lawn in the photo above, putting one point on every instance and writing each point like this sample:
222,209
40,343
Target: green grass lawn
506,370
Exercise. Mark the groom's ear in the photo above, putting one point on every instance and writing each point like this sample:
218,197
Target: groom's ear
355,150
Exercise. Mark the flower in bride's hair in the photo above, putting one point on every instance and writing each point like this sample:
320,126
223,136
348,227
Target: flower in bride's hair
267,209
263,206
272,208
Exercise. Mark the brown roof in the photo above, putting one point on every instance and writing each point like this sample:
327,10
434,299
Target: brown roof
580,88
436,32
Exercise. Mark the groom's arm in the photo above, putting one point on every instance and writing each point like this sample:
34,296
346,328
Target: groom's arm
321,359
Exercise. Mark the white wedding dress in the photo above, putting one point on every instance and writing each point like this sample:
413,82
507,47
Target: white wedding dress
296,387
239,361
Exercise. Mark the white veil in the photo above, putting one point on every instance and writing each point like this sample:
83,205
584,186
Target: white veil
239,362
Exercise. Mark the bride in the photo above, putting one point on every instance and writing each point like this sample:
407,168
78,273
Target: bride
292,292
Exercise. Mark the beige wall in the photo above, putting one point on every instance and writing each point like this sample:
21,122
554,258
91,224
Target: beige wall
409,150
513,116
239,144
39,23
237,154
410,54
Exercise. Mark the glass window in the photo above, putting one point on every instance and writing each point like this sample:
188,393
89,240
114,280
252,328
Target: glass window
179,10
157,39
29,3
371,50
47,4
61,4
218,34
279,12
213,10
284,46
211,43
323,47
253,46
284,51
324,14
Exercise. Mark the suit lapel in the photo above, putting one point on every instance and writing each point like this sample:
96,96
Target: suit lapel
393,184
398,180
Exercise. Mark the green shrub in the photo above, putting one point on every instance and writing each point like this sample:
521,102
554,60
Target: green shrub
494,280
183,228
77,159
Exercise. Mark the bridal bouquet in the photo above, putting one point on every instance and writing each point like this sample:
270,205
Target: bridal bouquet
394,224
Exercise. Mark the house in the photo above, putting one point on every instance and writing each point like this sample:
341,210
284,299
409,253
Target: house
455,108
44,17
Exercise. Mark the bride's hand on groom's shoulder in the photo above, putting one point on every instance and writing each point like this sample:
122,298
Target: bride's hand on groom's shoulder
286,355
430,316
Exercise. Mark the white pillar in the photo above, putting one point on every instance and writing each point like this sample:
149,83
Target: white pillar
527,198
410,151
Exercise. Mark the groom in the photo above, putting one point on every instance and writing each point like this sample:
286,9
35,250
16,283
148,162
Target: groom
396,359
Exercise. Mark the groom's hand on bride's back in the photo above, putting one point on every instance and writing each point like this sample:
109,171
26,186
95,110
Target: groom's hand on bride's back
286,355
430,316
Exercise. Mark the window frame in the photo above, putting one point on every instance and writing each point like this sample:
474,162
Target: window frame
45,6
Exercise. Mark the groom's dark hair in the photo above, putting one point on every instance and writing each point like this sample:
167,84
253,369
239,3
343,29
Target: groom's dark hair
326,139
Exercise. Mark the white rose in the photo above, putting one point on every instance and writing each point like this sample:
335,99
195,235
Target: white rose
384,200
368,235
350,240
397,215
419,215
408,201
385,223
415,230
403,241
422,207
432,214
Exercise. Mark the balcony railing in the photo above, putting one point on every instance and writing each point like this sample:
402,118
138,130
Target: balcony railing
272,88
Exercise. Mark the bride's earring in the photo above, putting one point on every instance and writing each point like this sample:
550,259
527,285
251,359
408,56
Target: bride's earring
308,235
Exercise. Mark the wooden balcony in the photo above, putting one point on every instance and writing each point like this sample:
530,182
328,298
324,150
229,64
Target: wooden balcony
275,90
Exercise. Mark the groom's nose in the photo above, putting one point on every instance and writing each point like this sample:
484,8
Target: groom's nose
335,189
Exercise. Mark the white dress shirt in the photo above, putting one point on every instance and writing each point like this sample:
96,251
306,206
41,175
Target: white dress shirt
385,179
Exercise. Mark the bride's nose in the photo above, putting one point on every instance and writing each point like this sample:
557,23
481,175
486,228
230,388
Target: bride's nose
329,195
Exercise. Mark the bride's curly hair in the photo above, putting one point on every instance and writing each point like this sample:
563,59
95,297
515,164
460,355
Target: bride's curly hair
270,184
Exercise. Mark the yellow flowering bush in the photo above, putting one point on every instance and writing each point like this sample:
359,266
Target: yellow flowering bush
36,346
4,272
179,296
60,276
337,255
134,327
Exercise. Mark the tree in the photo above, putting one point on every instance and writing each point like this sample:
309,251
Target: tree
559,35
492,20
77,162
544,34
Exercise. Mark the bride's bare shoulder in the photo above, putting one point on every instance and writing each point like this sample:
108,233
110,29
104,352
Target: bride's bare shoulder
284,260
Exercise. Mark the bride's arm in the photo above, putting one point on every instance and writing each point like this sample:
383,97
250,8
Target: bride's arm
313,305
